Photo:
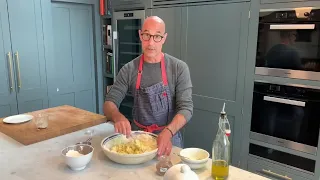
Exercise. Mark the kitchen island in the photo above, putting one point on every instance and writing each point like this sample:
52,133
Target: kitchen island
42,160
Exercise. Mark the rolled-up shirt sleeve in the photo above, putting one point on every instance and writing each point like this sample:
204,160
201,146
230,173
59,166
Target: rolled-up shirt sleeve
184,103
120,87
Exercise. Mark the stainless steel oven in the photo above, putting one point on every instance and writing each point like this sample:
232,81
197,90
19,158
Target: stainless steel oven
289,43
286,115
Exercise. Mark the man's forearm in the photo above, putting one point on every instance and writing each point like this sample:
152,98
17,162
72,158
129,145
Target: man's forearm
111,111
177,123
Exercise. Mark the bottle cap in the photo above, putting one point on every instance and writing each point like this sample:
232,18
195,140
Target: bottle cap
228,132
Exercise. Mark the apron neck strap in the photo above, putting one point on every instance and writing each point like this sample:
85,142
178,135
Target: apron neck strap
163,72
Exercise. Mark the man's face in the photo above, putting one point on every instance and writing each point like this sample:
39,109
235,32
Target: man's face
152,37
293,37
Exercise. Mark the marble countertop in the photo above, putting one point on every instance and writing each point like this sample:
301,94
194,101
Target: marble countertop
43,161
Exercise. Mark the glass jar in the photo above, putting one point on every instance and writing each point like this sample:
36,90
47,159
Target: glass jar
163,165
221,149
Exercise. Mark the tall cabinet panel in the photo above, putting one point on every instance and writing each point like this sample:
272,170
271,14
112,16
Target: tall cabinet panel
8,104
172,17
73,81
215,52
28,54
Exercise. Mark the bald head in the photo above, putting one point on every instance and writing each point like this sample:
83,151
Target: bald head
154,23
153,35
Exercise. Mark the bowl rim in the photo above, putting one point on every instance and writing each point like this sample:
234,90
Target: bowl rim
128,155
194,161
77,145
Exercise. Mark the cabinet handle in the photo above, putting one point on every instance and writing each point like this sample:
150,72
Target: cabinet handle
276,175
18,69
10,71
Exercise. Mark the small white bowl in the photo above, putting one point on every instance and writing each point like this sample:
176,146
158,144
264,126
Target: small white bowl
78,163
196,158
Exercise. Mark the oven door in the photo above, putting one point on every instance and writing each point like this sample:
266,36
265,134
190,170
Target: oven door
289,46
286,116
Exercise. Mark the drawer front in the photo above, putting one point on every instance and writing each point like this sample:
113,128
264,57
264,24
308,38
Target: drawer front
270,172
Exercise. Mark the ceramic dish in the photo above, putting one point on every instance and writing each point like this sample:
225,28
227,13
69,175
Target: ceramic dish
16,119
108,142
196,158
78,163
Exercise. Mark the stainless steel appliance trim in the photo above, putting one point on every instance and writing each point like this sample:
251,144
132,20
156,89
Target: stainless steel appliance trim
287,73
284,101
286,9
114,58
284,143
292,26
269,172
288,84
279,164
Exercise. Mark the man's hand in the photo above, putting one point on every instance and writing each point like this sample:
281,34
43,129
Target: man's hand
122,125
164,142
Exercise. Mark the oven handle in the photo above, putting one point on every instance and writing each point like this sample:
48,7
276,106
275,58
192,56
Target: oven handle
284,101
292,26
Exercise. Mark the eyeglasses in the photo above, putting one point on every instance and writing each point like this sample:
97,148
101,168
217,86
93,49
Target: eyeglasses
146,37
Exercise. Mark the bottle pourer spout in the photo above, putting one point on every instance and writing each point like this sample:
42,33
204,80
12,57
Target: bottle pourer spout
223,112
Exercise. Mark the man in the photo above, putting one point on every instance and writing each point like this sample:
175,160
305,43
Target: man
283,55
162,90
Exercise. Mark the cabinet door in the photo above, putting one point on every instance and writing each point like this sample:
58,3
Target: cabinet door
73,80
8,102
28,49
216,55
172,18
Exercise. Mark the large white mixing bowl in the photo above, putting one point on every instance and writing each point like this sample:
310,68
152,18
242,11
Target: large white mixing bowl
108,142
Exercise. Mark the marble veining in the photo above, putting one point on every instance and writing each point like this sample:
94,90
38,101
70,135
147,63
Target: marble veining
42,160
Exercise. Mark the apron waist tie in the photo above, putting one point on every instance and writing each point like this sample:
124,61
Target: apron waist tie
151,128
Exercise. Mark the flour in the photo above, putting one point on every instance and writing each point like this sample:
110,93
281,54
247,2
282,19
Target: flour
73,153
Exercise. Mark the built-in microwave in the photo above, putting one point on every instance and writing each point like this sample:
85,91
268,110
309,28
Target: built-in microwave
289,43
286,115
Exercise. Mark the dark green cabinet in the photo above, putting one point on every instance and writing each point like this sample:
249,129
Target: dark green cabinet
173,19
215,51
73,57
28,54
47,55
216,54
24,86
8,103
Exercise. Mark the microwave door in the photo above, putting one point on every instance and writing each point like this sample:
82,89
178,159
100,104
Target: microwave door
284,101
